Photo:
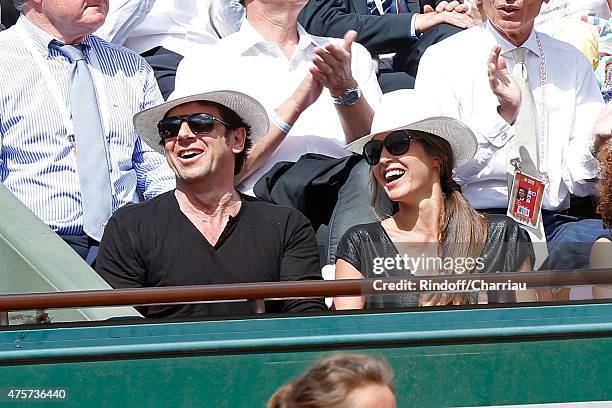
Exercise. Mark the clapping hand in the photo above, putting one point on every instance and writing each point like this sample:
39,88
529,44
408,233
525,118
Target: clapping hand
332,65
503,86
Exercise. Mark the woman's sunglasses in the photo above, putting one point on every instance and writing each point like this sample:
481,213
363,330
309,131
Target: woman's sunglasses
396,143
199,123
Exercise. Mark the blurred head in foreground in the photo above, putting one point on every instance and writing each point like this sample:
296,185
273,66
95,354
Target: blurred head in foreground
339,381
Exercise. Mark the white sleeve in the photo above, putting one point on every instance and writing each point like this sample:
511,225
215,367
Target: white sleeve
364,71
226,16
122,17
580,163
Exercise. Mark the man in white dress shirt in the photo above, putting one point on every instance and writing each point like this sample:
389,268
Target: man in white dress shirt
164,31
470,74
319,92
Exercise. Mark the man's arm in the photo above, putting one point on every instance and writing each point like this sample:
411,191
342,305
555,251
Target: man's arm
356,119
305,95
117,260
333,68
333,18
153,175
379,34
300,260
581,167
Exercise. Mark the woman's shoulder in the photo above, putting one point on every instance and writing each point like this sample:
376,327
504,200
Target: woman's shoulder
503,228
364,231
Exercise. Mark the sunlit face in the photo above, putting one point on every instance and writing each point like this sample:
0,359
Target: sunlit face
371,396
195,157
76,17
513,18
410,175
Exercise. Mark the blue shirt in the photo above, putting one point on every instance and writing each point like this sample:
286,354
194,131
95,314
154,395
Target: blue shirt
37,158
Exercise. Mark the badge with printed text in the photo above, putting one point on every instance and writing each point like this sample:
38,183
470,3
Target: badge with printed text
525,202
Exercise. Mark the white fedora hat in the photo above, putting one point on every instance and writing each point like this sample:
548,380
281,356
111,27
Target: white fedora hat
251,112
407,110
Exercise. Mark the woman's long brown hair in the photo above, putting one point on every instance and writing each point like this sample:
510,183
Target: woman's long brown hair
464,230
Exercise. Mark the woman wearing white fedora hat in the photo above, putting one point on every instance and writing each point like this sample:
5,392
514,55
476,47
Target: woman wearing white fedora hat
412,155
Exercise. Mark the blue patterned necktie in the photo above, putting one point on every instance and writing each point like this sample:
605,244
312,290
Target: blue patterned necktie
389,7
91,154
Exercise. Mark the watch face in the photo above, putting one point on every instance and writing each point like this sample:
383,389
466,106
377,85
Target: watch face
349,97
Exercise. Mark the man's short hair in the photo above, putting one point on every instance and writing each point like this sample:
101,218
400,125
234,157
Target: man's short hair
235,122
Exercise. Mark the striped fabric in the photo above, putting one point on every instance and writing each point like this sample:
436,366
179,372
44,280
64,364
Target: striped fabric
37,160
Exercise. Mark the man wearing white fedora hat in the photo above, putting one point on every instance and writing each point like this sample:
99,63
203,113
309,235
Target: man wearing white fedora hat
205,232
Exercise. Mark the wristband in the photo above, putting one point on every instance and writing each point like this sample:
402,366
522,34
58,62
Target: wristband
279,123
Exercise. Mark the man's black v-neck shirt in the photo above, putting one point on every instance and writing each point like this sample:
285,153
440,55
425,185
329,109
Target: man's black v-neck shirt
154,244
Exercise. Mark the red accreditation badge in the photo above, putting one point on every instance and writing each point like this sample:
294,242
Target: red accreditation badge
525,202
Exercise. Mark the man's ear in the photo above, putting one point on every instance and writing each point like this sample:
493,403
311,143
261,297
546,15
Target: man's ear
237,140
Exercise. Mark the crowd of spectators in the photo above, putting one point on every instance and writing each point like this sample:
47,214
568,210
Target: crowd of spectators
423,120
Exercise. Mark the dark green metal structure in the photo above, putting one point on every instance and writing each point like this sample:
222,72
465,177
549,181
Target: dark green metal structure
444,358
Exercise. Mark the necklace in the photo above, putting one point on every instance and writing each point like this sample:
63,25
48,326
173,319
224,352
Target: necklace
543,130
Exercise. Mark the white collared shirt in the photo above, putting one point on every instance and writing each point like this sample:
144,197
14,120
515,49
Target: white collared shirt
175,25
456,71
245,62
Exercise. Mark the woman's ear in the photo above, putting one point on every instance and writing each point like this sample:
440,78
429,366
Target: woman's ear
437,165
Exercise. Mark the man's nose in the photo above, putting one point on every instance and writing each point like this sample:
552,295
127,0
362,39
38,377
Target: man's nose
185,131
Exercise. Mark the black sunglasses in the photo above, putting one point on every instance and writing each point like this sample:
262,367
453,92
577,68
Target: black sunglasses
199,123
396,143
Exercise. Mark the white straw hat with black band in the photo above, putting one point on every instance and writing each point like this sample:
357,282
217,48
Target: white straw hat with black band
251,112
407,110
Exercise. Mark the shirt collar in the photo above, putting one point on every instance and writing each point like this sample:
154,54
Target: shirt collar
42,39
506,46
250,37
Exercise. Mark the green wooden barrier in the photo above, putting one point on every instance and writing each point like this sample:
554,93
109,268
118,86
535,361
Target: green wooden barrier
34,259
449,358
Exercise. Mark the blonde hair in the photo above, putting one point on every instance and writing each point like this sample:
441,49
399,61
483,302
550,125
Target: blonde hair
328,383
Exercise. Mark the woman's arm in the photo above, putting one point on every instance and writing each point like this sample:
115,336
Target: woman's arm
345,270
600,259
531,295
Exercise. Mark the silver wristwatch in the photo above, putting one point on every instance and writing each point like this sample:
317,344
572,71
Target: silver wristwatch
349,97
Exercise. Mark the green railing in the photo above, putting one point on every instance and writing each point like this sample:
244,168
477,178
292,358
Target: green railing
445,357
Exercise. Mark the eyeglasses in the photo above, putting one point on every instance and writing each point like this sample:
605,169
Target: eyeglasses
396,143
199,123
